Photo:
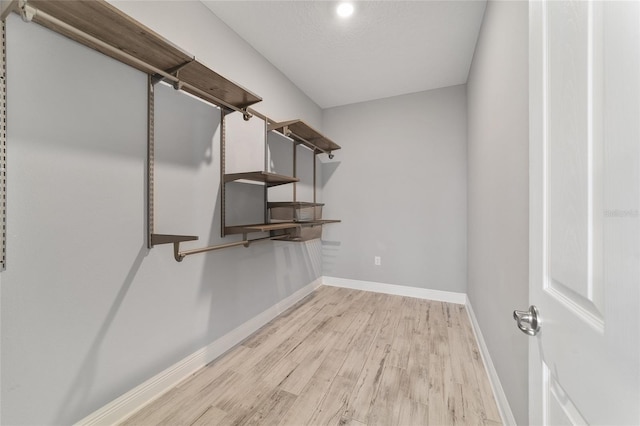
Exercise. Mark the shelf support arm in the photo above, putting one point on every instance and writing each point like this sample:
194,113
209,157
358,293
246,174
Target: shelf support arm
26,11
157,78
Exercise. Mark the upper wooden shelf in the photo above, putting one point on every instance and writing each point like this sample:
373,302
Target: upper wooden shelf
300,131
104,22
270,179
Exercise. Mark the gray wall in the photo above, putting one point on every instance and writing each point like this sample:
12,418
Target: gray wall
87,311
401,193
498,191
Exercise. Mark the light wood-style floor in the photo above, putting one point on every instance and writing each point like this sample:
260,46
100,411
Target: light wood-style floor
342,357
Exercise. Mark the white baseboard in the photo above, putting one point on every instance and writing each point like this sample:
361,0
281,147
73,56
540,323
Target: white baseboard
124,406
498,392
398,290
127,404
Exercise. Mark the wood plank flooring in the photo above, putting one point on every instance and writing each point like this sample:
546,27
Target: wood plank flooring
341,357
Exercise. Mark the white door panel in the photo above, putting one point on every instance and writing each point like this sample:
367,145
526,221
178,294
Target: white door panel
584,202
573,144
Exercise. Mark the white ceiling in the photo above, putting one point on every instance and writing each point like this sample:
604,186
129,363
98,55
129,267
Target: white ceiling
386,48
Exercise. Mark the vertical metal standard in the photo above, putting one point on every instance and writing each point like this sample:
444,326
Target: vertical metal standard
295,170
315,159
3,149
150,158
265,213
223,166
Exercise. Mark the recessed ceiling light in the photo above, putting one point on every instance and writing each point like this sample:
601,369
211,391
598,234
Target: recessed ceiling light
344,10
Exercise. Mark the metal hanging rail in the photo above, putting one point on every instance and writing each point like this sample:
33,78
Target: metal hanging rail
180,255
316,148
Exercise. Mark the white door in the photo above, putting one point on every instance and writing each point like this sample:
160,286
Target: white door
584,76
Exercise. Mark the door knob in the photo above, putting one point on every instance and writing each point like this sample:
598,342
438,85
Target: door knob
528,321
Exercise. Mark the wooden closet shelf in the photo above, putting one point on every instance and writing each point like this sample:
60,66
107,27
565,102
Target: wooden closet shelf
310,223
259,227
279,226
296,204
316,222
270,179
300,131
157,239
319,222
137,46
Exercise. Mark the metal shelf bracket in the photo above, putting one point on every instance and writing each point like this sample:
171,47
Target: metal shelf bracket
27,12
175,71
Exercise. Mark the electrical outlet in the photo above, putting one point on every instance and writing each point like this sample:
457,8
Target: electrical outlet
377,260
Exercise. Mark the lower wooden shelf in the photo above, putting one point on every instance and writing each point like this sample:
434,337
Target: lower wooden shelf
258,227
269,179
157,239
279,226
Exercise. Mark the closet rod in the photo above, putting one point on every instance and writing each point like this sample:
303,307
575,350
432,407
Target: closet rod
29,12
179,255
316,148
